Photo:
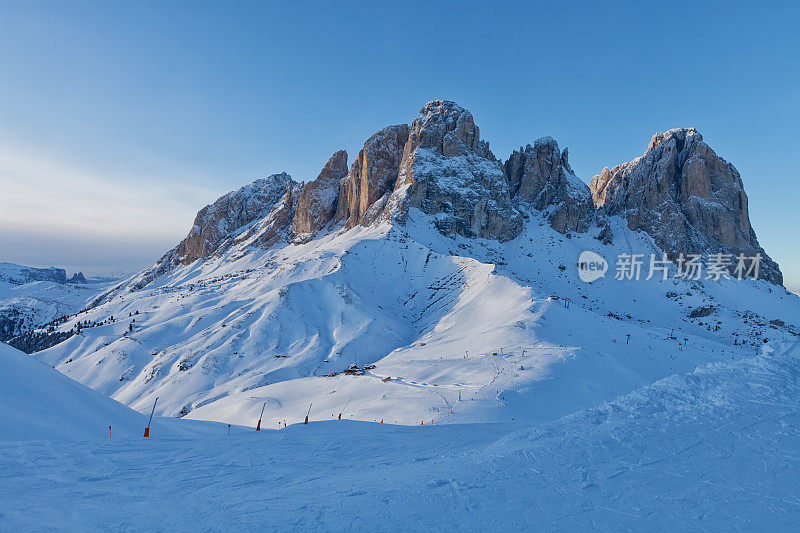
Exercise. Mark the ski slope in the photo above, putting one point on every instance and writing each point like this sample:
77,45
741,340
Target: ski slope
39,403
716,449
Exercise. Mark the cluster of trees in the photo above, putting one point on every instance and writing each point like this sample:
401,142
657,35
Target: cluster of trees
81,324
12,323
34,341
50,326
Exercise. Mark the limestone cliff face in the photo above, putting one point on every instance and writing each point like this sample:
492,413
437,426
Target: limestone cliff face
262,209
449,172
540,176
441,166
686,197
277,225
318,199
372,176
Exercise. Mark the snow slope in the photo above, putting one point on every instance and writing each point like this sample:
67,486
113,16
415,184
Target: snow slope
39,403
715,450
217,339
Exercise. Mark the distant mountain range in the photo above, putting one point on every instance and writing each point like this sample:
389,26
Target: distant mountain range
11,274
32,297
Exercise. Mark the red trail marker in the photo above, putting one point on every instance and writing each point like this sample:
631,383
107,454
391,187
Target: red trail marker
258,427
147,429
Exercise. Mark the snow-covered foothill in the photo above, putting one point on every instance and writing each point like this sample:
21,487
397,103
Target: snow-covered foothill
39,403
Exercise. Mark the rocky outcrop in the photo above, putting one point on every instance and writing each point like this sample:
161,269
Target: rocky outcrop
540,176
277,225
13,274
261,211
686,197
449,172
372,177
78,277
447,129
441,166
318,199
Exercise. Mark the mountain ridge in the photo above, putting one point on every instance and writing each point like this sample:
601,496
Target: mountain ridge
440,165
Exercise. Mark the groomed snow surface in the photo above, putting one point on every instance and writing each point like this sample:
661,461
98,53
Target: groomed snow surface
717,449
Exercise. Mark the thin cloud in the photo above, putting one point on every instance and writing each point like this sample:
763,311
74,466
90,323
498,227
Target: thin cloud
42,194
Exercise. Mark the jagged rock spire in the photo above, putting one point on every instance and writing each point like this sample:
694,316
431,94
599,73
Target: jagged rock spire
318,199
686,197
540,176
448,129
449,172
372,176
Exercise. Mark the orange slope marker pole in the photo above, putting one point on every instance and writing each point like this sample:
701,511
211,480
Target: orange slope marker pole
147,429
258,427
345,407
308,413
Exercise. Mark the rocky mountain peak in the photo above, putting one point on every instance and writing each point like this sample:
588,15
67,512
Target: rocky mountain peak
529,168
372,176
678,135
447,171
686,197
77,277
318,199
448,129
541,177
228,220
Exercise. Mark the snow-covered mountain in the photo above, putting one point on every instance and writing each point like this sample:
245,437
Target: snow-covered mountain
31,297
438,264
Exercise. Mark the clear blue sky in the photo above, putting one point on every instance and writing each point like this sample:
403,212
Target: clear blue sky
119,120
